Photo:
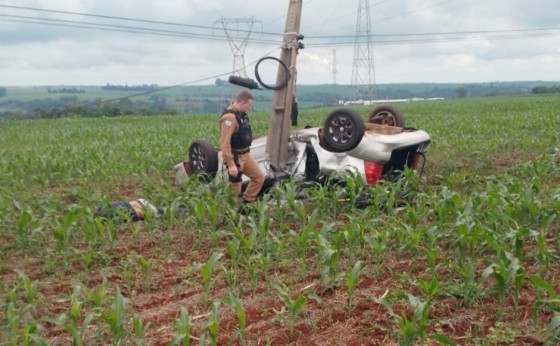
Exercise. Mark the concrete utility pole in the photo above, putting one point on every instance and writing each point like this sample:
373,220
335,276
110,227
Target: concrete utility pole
280,116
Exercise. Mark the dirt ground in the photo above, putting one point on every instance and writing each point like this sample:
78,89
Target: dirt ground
157,300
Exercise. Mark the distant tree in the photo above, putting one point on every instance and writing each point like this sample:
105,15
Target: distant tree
546,89
125,106
461,92
39,113
220,82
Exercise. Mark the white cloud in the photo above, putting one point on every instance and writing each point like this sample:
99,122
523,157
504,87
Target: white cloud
36,53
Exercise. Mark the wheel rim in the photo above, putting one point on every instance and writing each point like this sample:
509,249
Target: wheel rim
198,159
384,118
341,129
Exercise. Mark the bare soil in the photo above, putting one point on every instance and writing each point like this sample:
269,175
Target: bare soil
172,285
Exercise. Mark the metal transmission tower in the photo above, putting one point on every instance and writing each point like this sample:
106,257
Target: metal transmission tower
238,32
363,68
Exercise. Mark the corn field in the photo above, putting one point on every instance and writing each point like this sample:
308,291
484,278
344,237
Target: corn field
465,254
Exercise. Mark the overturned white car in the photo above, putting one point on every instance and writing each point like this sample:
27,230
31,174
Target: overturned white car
381,148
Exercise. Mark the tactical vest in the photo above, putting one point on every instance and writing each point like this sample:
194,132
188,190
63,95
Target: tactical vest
244,136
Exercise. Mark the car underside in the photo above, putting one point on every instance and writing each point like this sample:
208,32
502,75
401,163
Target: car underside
380,149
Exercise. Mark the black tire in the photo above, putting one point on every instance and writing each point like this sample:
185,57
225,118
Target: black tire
203,158
387,115
322,142
343,130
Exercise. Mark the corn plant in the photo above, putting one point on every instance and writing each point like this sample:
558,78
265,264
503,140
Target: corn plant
247,243
552,331
506,271
265,261
200,212
445,208
235,252
352,279
324,198
237,307
432,255
32,294
252,269
146,266
407,330
542,253
111,232
115,317
547,299
139,329
289,194
64,231
27,226
465,288
12,317
468,234
206,271
73,321
97,297
412,238
31,337
262,226
303,237
328,260
75,315
213,323
354,237
430,288
378,243
230,276
293,306
183,324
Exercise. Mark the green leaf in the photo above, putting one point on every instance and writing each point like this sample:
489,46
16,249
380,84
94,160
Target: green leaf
552,327
442,339
540,283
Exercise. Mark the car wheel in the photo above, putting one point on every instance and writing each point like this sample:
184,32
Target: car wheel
203,158
343,129
386,115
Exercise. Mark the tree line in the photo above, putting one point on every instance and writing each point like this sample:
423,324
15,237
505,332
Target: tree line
72,106
213,98
554,89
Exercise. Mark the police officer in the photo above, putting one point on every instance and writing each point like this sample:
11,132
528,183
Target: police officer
236,137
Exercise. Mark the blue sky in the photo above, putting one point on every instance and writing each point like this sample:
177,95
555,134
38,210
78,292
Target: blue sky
170,42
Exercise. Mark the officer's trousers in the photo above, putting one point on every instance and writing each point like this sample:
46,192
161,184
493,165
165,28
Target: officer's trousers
247,165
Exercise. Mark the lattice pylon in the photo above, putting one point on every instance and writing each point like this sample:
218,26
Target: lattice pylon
363,67
238,32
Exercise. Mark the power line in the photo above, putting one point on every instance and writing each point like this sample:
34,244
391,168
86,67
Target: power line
435,33
121,28
353,14
329,40
338,40
182,84
413,11
436,40
121,18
